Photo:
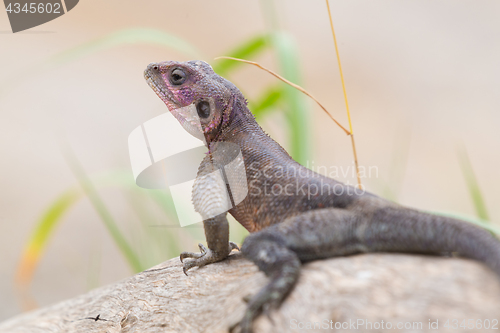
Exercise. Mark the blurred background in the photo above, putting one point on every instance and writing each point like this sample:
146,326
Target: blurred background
422,78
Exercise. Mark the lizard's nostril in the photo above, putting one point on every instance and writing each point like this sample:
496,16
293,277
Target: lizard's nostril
153,67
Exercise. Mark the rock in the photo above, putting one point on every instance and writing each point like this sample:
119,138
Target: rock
348,293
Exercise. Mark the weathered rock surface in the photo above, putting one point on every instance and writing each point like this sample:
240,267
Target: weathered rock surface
395,289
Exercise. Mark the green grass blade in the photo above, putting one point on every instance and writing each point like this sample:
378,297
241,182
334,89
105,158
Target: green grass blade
128,36
472,185
161,244
287,54
297,115
165,202
55,212
121,37
267,101
149,244
247,50
162,198
103,212
43,230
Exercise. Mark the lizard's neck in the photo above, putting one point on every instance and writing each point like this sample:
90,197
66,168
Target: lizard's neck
254,143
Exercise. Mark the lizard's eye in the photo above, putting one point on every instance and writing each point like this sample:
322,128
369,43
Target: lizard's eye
203,109
177,77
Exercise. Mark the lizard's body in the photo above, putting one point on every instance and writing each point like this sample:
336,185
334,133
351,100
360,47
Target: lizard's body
293,213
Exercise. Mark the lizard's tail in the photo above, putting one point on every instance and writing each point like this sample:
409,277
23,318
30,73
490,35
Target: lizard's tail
406,230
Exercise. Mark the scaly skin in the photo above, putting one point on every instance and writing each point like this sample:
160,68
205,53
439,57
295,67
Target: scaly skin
293,214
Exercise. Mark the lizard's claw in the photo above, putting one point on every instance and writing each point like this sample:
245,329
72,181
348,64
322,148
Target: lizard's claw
264,302
234,246
194,255
206,256
246,323
243,326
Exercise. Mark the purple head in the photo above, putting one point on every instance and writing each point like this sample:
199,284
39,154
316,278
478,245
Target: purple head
193,85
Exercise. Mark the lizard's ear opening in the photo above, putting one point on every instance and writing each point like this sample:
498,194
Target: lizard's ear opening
203,109
208,117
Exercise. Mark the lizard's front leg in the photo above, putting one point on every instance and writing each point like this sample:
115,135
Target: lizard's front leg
219,246
210,199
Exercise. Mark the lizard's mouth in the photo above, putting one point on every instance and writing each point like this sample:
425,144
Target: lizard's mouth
186,116
164,94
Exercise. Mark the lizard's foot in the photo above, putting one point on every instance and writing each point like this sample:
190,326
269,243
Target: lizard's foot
266,300
205,257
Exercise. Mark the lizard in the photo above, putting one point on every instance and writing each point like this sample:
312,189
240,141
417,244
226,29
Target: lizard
289,223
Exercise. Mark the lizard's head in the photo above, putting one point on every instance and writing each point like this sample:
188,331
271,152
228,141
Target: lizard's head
193,86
